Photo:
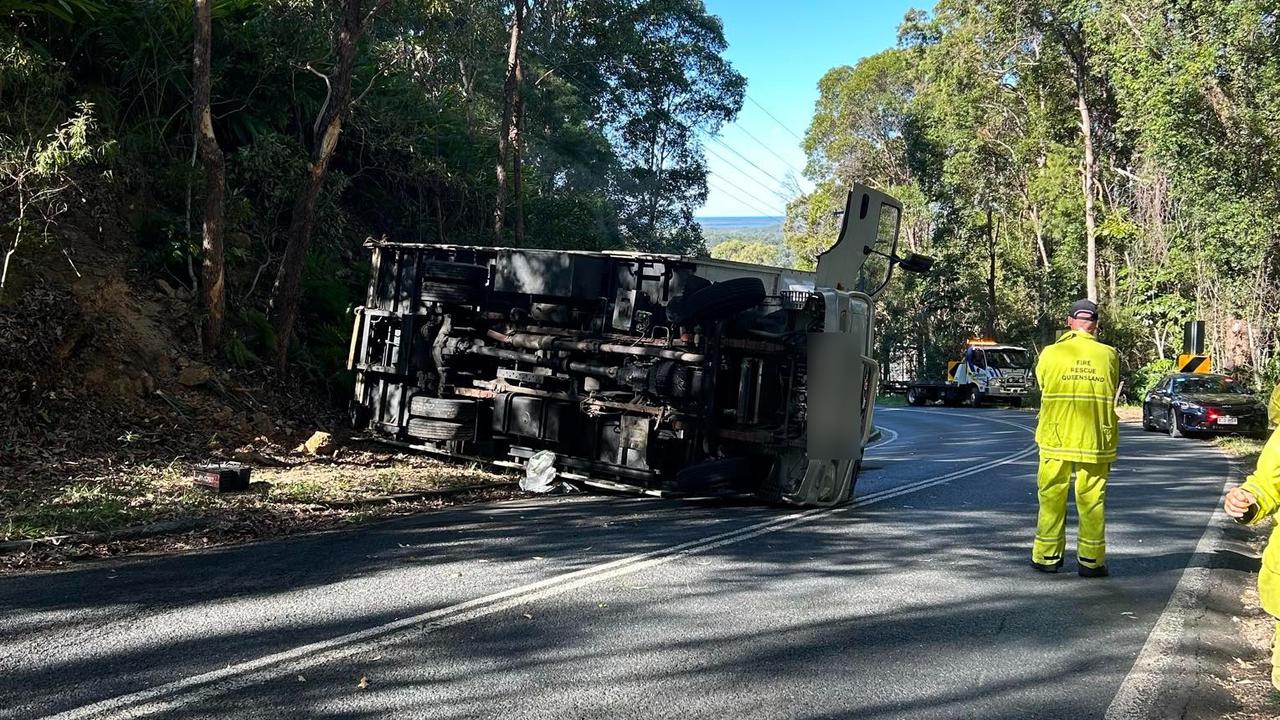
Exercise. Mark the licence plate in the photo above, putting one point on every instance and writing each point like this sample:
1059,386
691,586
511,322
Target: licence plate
1228,420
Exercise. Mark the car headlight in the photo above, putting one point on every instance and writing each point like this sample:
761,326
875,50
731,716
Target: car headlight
1191,407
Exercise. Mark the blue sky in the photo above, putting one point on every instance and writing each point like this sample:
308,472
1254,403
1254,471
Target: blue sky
783,49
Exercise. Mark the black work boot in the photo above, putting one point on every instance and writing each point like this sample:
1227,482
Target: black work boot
1044,568
1090,571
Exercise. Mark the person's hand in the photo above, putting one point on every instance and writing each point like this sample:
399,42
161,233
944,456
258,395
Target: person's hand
1238,502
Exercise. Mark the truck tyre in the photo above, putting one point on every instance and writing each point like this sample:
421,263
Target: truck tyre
721,300
977,398
424,406
440,270
439,430
915,397
445,292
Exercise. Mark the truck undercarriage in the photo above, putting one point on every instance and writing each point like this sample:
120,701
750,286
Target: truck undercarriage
652,372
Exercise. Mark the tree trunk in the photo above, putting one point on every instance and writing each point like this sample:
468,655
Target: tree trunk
517,174
991,275
212,266
510,87
328,128
1089,176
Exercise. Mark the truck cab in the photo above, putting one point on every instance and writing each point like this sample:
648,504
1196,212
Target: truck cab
995,373
987,372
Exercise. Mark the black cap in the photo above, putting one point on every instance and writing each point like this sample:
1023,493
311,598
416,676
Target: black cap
1084,310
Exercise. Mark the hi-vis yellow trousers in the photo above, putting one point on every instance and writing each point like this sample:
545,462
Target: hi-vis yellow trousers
1054,480
1275,659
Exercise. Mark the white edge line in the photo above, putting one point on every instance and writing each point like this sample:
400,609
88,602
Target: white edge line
232,677
1140,689
881,443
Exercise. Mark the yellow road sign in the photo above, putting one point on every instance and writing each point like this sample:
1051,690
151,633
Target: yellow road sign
1189,363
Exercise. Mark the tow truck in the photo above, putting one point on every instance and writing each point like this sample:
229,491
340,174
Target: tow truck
988,372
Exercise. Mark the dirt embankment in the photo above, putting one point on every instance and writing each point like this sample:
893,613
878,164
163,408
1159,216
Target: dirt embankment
108,406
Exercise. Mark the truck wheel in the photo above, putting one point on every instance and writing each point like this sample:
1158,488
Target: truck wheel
454,272
719,301
915,397
424,406
439,430
445,292
977,398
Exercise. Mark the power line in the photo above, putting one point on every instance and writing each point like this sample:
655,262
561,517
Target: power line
766,112
576,83
745,174
762,144
746,159
744,203
739,188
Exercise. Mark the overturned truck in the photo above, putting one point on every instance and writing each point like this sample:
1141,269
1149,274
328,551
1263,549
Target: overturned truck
656,373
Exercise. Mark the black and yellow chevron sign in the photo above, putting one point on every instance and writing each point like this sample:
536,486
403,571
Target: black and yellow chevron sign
1189,363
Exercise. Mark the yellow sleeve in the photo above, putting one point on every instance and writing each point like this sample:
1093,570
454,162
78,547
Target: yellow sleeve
1273,408
1264,483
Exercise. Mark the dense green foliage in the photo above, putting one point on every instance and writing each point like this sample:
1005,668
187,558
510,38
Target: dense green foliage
615,96
974,121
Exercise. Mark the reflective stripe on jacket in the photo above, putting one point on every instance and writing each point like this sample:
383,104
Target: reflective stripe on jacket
1078,377
1264,486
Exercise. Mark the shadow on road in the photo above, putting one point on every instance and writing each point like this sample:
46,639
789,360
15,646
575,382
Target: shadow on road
920,607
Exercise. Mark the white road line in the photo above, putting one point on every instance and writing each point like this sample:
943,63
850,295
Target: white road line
1140,688
893,436
286,663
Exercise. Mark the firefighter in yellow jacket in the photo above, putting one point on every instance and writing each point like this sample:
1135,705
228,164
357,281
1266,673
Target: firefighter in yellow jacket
1076,432
1251,503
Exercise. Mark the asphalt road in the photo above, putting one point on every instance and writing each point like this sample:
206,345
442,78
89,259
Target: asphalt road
915,601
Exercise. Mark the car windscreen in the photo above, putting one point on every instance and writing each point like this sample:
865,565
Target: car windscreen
1008,359
1207,386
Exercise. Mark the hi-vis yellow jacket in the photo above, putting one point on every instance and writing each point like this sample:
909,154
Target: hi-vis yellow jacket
1078,377
1264,486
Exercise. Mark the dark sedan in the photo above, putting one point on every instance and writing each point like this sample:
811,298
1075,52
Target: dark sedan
1185,403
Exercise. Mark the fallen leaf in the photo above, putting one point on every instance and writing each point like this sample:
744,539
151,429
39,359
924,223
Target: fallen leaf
527,616
364,682
301,678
